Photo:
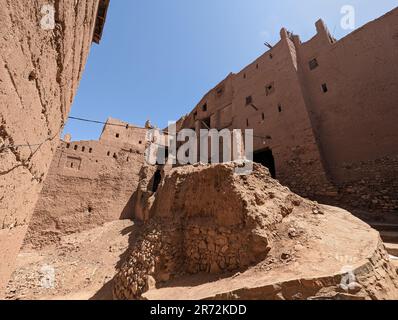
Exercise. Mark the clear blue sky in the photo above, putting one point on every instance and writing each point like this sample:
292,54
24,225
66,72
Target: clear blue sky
159,57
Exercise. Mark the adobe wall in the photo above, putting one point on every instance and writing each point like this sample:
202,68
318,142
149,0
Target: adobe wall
356,119
338,146
39,74
123,133
278,116
89,183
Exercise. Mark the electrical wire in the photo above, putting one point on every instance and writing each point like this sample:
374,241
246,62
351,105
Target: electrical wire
127,126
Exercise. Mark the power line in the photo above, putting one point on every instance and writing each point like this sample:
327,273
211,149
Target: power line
5,147
38,145
127,126
105,123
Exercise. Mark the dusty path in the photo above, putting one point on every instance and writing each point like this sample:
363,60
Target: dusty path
83,265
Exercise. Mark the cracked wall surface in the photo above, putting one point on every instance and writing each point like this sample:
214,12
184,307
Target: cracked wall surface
39,75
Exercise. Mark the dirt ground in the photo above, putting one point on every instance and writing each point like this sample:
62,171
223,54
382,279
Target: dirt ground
83,264
86,263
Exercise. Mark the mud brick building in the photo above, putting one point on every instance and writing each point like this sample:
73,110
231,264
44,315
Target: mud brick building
89,183
324,113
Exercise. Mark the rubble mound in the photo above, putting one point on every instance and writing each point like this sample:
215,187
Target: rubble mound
214,234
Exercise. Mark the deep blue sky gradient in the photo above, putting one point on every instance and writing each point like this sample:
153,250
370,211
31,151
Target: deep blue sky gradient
159,57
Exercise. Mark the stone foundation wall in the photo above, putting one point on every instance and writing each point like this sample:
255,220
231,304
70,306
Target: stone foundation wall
213,250
371,186
305,175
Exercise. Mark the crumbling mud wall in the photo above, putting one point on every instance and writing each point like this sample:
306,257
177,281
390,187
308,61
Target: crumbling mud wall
200,220
40,71
203,220
207,220
89,183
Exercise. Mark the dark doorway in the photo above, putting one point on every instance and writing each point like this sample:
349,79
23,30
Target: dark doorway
266,158
157,178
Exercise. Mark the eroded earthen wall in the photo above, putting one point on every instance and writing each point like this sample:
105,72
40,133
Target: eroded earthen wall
89,183
214,234
39,74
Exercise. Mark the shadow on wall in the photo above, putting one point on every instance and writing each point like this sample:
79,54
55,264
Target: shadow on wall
106,292
137,209
128,211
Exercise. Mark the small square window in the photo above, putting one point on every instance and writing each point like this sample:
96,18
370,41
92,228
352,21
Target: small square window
90,150
313,64
83,149
324,88
68,146
117,135
75,148
257,66
204,107
249,100
269,89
